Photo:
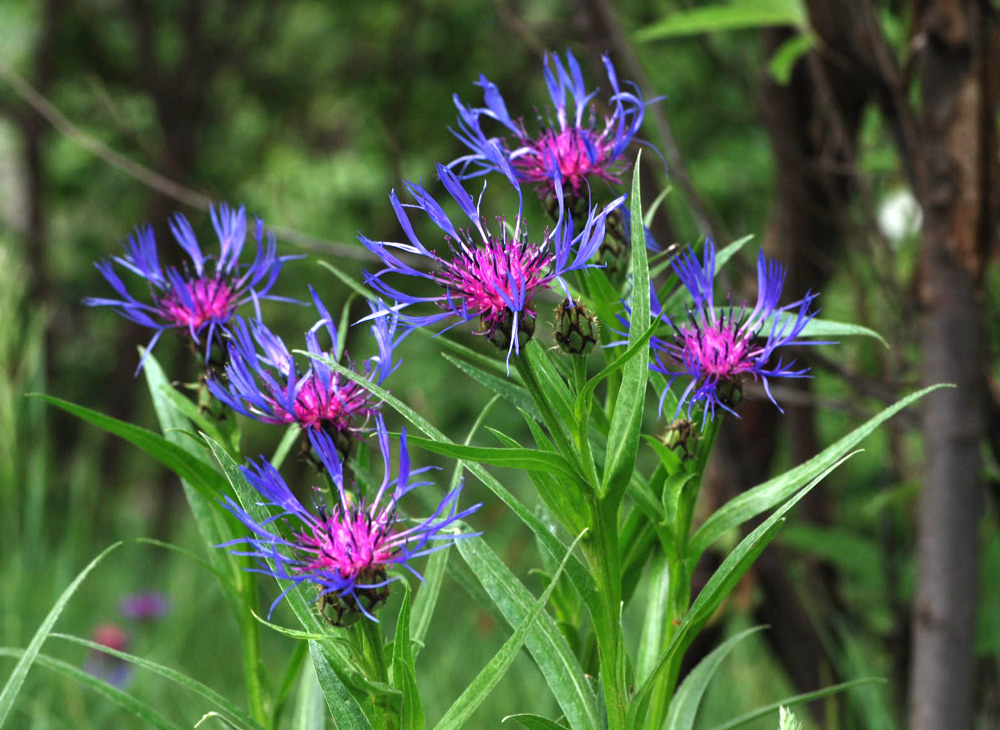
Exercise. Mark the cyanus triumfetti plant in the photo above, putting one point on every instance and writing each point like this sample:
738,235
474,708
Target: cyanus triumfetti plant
616,494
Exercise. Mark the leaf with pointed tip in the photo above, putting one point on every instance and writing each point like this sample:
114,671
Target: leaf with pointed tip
687,698
144,711
626,420
774,491
16,679
545,642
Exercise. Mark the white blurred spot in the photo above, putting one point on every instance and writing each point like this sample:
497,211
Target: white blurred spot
899,215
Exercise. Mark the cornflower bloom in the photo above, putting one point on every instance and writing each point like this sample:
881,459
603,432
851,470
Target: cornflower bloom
144,606
575,146
261,379
490,276
199,296
345,550
102,665
718,348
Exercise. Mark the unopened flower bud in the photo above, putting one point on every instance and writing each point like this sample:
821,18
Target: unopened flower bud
681,437
576,330
501,334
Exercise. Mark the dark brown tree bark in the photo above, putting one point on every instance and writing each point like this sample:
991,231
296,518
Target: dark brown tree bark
959,92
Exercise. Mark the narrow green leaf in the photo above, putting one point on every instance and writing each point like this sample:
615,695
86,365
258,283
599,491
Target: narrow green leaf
124,700
480,687
219,703
545,642
309,706
534,722
411,714
626,421
774,491
734,15
736,564
344,709
427,596
16,679
825,328
286,444
796,700
501,386
348,281
615,365
685,702
526,459
183,463
654,623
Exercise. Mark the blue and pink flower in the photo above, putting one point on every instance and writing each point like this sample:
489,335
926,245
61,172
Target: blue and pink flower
262,380
348,548
575,146
199,298
717,347
492,276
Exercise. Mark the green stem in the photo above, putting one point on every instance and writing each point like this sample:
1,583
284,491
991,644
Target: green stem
605,561
253,666
538,395
680,587
371,635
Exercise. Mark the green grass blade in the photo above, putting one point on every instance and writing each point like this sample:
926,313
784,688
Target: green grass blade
17,677
233,714
127,702
480,687
404,675
514,458
545,642
687,698
504,387
795,700
535,722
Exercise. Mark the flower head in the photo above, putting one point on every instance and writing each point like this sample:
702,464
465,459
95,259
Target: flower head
718,347
108,667
575,146
346,549
144,606
262,380
200,297
492,276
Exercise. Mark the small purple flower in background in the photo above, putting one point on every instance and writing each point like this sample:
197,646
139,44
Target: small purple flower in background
576,146
717,348
345,550
199,296
261,379
144,606
490,276
100,664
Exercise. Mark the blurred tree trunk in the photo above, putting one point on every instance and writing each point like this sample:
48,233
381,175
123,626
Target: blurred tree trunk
959,92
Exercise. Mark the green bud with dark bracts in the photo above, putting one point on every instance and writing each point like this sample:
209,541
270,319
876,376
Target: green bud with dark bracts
681,437
343,611
576,330
501,334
